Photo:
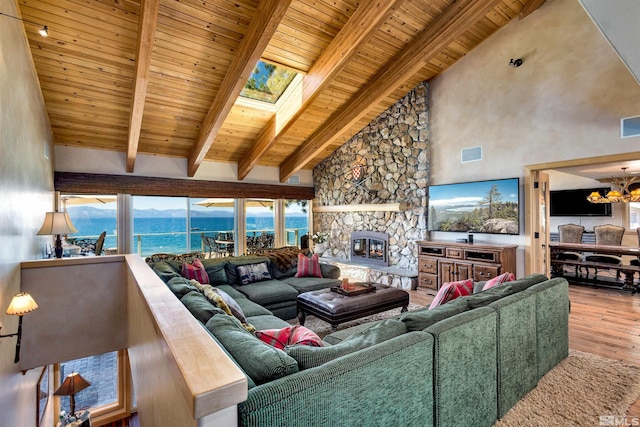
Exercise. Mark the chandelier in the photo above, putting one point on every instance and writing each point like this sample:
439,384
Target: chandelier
621,194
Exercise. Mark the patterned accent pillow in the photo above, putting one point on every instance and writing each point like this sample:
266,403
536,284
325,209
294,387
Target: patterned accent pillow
503,278
224,302
308,267
251,273
450,291
280,338
195,271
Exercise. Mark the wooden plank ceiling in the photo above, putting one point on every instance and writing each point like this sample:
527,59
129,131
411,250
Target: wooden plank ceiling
162,77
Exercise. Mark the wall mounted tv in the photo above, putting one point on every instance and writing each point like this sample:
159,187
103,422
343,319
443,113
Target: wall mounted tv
478,207
575,203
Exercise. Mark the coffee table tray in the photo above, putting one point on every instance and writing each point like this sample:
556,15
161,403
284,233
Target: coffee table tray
357,289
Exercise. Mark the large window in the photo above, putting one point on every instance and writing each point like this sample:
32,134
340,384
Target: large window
213,226
634,215
159,225
92,215
259,224
296,221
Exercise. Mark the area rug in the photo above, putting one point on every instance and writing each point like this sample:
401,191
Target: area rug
323,329
582,390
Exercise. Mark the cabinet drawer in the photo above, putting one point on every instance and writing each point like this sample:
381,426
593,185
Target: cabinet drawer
485,272
427,265
427,280
455,253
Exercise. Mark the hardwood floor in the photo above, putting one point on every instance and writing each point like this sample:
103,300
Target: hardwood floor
602,321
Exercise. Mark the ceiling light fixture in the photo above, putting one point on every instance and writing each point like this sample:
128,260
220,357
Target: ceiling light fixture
620,195
43,31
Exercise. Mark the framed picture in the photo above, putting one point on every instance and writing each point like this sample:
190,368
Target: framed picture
43,393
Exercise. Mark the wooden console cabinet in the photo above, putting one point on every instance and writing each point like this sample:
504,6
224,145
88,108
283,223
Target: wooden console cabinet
441,261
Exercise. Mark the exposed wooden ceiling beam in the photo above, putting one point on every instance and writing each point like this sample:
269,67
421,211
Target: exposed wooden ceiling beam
453,22
262,27
146,29
530,7
364,22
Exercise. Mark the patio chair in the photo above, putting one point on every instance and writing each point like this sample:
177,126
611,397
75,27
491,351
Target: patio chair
609,235
100,243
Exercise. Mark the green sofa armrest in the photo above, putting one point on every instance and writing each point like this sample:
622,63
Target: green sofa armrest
329,271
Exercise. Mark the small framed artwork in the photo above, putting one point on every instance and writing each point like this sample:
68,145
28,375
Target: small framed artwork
43,393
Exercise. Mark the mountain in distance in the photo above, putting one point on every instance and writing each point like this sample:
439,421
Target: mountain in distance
91,212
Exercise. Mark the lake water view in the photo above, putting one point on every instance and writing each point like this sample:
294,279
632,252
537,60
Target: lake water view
169,234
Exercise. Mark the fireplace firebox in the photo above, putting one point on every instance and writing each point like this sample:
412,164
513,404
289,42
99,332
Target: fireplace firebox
370,247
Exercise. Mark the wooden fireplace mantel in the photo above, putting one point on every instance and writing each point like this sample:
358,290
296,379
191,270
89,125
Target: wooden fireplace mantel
371,207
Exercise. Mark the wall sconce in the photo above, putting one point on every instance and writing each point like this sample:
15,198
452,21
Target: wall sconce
43,31
516,62
57,223
21,304
72,384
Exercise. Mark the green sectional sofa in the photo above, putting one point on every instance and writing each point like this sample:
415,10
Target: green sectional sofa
464,363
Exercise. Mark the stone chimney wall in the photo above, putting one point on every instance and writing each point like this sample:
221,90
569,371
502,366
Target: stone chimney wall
394,150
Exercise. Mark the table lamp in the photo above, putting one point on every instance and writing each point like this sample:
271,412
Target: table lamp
71,385
57,223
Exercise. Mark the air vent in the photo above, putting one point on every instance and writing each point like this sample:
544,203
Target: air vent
294,179
470,154
630,127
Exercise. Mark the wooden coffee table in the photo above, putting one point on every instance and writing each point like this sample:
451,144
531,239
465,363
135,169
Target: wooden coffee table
336,308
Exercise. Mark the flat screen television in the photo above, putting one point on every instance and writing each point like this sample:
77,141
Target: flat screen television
478,207
575,203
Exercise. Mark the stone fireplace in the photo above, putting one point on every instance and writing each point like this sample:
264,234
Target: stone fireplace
392,154
370,247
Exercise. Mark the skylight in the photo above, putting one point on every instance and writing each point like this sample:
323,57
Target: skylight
267,83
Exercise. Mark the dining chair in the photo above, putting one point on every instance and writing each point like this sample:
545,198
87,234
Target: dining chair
100,243
636,261
571,233
609,235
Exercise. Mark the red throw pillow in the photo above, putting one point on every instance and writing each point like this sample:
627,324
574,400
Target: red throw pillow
280,338
195,271
308,267
503,278
450,291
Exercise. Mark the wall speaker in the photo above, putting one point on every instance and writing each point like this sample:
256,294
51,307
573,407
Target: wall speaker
294,179
629,127
471,154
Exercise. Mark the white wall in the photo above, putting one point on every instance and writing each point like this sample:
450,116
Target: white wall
564,102
26,193
84,160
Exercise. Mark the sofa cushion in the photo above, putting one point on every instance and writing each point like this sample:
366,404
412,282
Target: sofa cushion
289,335
269,292
251,273
450,291
306,284
250,308
309,357
199,306
216,271
180,286
418,320
166,271
260,361
267,321
308,267
195,271
498,280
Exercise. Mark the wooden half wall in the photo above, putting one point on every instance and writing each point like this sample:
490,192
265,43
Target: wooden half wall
92,305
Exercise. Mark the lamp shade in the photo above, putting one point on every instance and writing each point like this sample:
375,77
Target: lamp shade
21,304
72,384
57,223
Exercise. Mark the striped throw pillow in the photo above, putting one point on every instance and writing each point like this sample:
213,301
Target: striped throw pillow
503,278
308,267
195,271
450,291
